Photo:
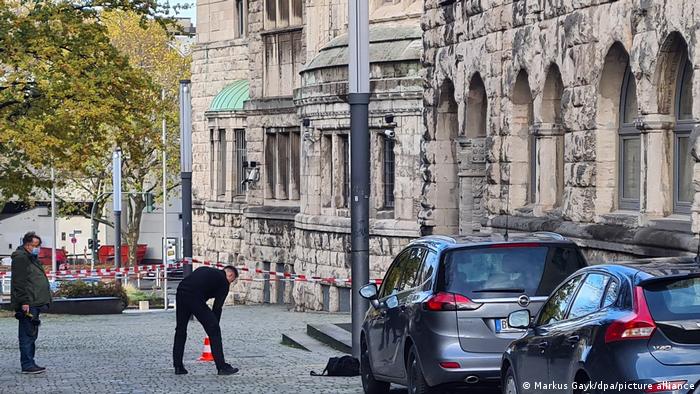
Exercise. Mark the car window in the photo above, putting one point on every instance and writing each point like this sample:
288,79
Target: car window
611,293
427,271
676,299
555,308
562,262
589,295
393,275
482,272
410,268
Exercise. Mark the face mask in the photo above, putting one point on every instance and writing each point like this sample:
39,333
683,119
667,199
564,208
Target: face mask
35,251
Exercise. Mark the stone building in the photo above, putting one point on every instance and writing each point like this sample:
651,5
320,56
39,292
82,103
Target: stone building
575,116
271,140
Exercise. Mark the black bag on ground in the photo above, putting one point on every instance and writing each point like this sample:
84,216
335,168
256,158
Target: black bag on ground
340,366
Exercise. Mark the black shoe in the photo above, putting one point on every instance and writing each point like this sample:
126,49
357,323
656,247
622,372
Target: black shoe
34,370
228,370
180,371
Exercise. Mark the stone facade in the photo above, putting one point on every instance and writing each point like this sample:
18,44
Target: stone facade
543,81
533,115
293,214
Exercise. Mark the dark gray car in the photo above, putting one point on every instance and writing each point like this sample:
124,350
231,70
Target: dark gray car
611,328
440,315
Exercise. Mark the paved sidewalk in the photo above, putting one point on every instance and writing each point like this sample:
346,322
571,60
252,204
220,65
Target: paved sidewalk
131,353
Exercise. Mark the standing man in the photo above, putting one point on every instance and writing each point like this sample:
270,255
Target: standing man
30,296
191,299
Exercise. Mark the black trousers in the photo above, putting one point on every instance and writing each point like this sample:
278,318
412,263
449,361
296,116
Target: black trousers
188,305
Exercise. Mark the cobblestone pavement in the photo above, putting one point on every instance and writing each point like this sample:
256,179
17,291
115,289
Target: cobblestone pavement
131,353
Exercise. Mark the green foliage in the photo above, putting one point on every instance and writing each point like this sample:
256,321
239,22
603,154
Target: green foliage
135,295
80,289
67,94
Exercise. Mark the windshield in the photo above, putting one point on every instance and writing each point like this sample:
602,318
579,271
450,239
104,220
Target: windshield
501,271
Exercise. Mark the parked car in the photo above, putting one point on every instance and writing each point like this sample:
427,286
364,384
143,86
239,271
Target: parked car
610,324
440,315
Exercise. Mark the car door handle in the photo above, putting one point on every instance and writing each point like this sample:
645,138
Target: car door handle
543,345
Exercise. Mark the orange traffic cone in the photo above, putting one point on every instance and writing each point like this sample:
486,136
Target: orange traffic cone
206,353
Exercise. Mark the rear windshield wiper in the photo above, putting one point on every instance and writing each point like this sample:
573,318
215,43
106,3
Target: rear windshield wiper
504,290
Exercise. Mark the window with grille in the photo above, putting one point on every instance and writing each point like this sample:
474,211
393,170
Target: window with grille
221,165
282,163
240,155
388,172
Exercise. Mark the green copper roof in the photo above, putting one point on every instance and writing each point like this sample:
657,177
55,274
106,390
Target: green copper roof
232,97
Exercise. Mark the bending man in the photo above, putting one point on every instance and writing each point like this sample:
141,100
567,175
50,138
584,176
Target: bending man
191,299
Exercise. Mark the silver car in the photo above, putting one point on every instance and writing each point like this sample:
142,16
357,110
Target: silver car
440,317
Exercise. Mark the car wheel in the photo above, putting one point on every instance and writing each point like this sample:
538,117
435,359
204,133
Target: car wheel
416,379
510,385
369,384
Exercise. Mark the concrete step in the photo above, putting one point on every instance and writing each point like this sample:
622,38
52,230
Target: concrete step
331,335
303,341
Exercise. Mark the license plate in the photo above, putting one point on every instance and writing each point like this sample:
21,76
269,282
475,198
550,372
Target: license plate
502,326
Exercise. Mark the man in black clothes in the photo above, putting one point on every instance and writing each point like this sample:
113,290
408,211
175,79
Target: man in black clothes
191,299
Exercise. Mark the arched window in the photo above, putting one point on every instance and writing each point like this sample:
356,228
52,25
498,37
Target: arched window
630,146
683,163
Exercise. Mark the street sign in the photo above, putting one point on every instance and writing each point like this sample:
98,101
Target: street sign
74,240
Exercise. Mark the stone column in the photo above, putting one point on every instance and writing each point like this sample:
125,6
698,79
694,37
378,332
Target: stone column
472,174
656,180
549,177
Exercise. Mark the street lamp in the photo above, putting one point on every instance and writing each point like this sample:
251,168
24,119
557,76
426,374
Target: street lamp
117,201
186,173
358,98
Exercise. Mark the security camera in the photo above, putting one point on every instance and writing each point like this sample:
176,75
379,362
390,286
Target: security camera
389,133
252,176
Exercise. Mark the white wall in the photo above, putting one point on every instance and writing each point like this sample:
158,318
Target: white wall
13,228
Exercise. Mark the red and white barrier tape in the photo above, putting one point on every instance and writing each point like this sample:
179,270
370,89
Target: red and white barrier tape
103,271
283,276
274,276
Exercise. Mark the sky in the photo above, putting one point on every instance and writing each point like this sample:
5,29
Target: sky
188,13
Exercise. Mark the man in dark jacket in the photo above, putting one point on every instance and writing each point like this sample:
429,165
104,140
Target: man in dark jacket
191,299
30,295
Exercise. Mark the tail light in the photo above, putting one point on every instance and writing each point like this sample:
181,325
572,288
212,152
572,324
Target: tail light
449,364
668,386
450,302
638,325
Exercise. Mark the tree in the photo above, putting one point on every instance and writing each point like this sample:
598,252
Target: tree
63,88
68,95
149,48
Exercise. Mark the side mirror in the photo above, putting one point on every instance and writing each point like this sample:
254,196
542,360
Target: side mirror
369,291
519,319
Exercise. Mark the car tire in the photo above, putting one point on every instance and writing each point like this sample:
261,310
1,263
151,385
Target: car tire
416,379
510,384
369,383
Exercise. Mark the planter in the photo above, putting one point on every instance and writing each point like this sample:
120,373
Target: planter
87,306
